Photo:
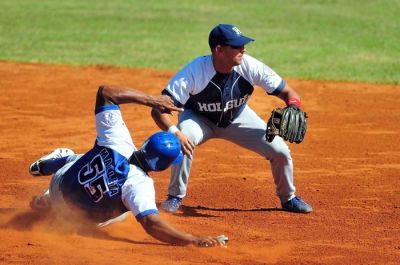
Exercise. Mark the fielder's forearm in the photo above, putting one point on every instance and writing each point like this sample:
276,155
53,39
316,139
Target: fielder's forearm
288,93
163,120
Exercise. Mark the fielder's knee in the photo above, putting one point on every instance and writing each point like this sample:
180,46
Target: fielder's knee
281,152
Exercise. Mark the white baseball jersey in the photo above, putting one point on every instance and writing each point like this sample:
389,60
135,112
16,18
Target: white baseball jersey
221,97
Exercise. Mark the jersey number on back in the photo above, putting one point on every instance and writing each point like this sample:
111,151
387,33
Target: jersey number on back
92,178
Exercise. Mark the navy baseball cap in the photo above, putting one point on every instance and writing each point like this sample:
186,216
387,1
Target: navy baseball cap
225,34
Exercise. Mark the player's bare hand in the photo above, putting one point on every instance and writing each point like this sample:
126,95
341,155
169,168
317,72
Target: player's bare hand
187,144
164,104
207,242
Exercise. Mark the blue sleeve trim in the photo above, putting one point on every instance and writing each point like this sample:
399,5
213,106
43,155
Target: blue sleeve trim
106,107
279,89
145,213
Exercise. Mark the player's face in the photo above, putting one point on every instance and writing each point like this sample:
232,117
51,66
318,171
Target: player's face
233,55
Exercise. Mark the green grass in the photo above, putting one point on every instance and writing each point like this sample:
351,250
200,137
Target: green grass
352,40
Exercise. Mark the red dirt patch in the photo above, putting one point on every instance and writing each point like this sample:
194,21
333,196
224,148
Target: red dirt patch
347,168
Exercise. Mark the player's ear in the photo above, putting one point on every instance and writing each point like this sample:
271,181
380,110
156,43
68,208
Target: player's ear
218,49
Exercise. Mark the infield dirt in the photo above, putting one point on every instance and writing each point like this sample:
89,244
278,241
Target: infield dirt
347,169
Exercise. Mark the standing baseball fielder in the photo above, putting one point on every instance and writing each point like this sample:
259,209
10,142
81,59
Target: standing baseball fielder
214,91
101,186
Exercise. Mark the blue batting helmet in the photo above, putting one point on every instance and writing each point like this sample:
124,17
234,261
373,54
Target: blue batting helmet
161,150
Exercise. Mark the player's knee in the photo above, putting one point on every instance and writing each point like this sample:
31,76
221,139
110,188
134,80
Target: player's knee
193,135
280,152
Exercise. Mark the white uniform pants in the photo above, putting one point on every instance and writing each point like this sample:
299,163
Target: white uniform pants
57,202
248,131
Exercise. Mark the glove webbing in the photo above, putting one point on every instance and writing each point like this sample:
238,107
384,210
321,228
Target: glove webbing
290,124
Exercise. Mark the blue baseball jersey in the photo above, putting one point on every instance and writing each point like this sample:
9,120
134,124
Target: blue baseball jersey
93,183
221,97
102,184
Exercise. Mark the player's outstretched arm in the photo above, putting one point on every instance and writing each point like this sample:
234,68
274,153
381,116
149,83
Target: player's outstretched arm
161,230
112,94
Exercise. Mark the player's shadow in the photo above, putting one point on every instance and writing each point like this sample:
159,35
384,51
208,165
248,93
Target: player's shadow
195,211
22,221
26,220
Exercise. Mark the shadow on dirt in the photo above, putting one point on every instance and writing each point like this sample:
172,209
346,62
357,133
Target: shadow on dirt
28,219
23,221
194,211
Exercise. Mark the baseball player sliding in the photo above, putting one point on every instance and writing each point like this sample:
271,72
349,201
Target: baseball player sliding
111,179
214,91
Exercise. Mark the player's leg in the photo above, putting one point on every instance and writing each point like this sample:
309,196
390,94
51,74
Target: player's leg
50,163
57,202
44,202
41,203
248,131
198,130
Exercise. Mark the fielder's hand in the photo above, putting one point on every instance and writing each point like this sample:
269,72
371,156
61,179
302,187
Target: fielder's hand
187,144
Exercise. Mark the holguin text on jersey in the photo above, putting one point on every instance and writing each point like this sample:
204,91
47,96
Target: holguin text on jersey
221,97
